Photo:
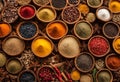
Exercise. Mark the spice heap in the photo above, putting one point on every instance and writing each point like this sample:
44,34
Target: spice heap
56,30
42,47
98,46
114,6
2,59
27,30
5,29
27,76
71,14
116,44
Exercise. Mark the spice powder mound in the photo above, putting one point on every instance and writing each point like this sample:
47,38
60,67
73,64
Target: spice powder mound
87,64
98,46
56,30
28,30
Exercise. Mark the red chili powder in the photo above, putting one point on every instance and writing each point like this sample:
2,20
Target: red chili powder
98,46
27,11
113,62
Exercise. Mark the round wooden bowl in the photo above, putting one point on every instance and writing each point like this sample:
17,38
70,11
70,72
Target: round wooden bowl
118,37
93,60
42,37
3,59
29,12
105,40
103,7
78,35
64,55
115,25
44,66
27,70
23,3
18,32
57,21
48,7
14,53
67,21
112,54
89,75
104,70
95,6
58,8
9,31
74,4
13,69
34,1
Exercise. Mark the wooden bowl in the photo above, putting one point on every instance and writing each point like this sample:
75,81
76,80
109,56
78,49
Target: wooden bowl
11,51
20,2
9,31
28,71
39,4
47,7
51,3
83,21
57,21
93,62
66,55
27,18
112,54
114,47
44,66
42,37
104,70
103,7
69,16
19,34
106,42
15,59
95,6
103,29
74,4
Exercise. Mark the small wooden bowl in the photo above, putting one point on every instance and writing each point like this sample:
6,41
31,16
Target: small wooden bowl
112,54
95,6
18,32
118,37
34,1
9,31
57,21
106,42
103,7
64,55
48,7
51,3
44,66
28,71
13,53
103,29
3,59
92,58
89,75
27,12
42,37
23,3
68,12
78,35
106,71
16,59
74,4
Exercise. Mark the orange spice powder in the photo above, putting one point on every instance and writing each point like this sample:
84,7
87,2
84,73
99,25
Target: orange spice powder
56,30
4,30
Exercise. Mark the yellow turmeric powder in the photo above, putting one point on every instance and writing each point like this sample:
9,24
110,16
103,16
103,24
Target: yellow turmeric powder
41,47
75,75
4,29
114,6
56,30
83,8
116,45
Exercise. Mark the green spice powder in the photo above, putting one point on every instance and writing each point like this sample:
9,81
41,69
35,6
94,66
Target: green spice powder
83,30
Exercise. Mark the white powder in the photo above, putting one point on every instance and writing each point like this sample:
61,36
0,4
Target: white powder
103,14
